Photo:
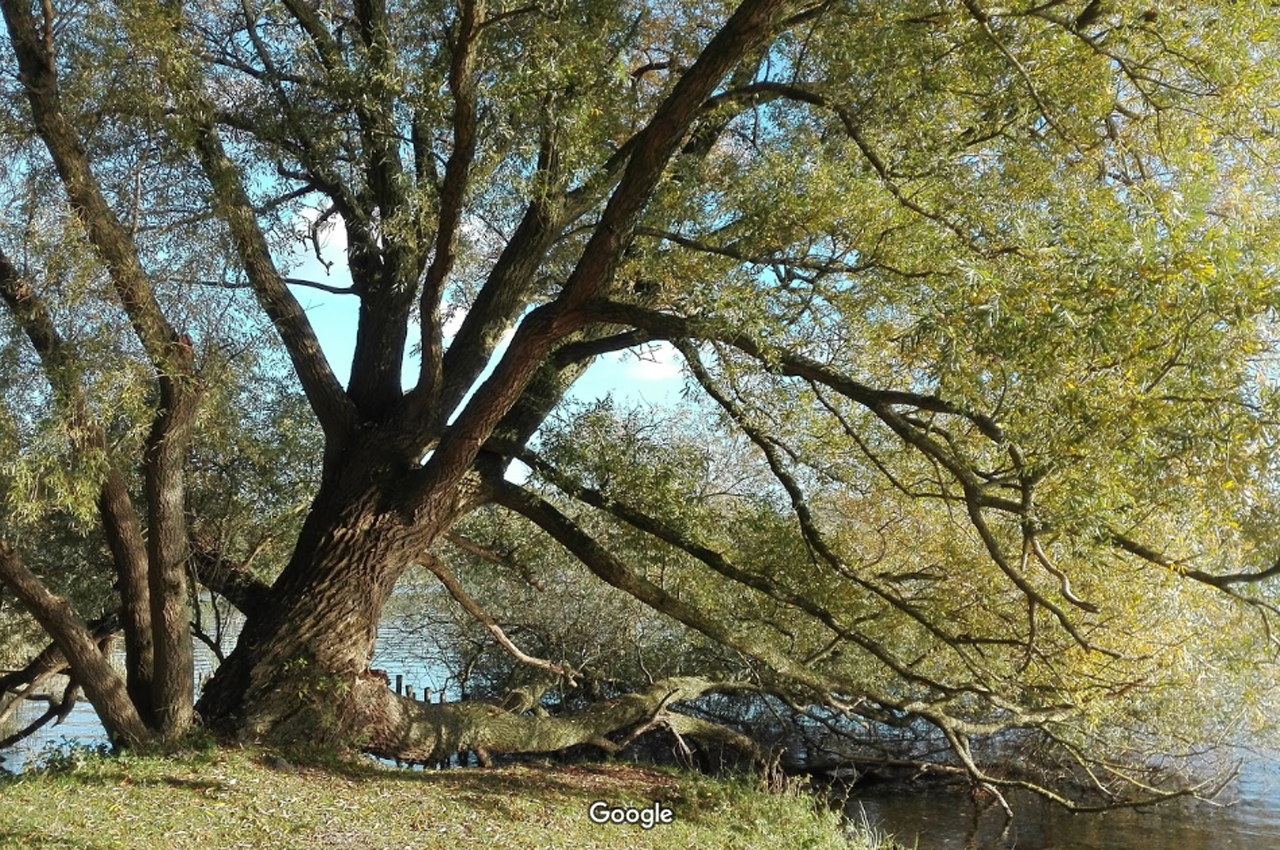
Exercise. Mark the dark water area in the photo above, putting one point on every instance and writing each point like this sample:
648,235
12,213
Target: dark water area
948,819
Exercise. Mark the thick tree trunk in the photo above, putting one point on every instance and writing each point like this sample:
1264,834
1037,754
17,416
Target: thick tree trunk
302,650
115,506
300,671
129,554
168,550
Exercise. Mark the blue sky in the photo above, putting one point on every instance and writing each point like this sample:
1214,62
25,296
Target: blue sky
652,377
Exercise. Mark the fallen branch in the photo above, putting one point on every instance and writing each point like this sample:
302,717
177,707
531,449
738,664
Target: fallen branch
424,733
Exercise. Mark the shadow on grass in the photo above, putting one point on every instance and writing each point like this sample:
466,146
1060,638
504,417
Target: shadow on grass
12,838
494,791
569,780
124,776
577,785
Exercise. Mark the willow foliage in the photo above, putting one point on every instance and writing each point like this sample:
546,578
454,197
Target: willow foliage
976,307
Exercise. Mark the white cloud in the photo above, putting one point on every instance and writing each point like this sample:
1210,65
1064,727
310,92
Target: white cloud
656,362
332,233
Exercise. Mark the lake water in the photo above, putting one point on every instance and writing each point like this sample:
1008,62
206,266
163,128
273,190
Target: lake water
946,819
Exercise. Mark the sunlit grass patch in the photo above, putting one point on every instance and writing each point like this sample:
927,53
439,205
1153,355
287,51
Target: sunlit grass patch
232,798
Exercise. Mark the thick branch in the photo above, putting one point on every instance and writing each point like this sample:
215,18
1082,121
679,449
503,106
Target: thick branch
426,732
106,233
462,86
654,526
883,403
103,685
506,291
606,566
500,301
240,587
386,271
818,686
750,26
58,710
116,510
327,49
50,660
329,401
1221,581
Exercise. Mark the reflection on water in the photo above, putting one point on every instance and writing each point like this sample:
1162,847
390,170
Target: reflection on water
946,819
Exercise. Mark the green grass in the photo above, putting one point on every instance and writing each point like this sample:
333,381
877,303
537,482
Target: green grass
232,798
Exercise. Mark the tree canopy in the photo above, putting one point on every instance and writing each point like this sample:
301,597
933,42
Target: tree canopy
975,307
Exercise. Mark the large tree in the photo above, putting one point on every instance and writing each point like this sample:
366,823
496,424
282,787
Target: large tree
978,297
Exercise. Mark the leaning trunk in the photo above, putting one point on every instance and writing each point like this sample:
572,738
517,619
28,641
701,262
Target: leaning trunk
300,671
300,654
423,733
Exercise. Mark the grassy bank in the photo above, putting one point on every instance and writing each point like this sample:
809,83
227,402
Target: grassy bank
230,799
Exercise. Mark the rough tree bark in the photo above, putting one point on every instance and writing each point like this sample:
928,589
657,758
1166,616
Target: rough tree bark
156,612
104,687
396,163
395,475
379,508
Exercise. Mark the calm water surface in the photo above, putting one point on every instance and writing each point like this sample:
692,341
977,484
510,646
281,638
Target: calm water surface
944,819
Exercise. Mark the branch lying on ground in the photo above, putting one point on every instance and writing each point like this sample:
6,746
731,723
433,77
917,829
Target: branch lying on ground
397,727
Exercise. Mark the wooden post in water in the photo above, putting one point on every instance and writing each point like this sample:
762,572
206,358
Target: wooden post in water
399,683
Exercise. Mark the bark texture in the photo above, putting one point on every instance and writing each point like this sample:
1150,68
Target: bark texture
156,611
104,687
395,475
316,626
396,727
